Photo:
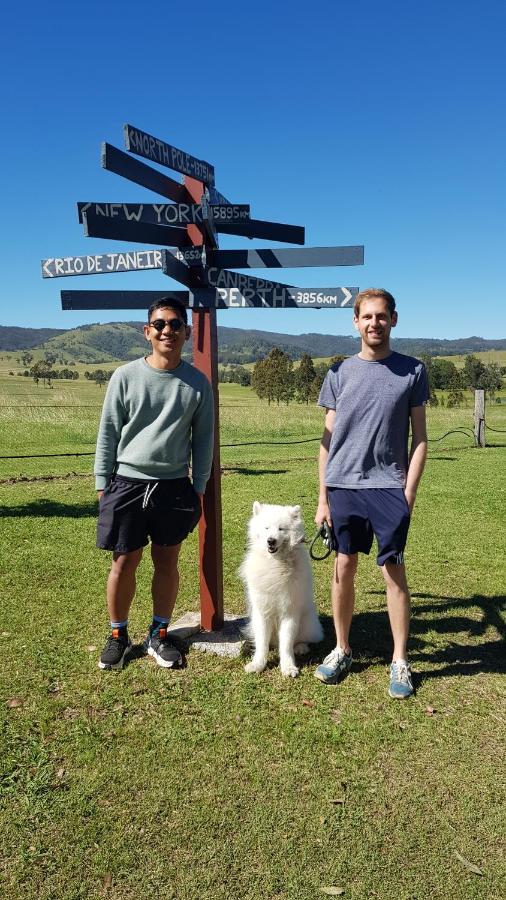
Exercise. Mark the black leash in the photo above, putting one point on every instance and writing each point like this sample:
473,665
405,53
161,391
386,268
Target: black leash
324,534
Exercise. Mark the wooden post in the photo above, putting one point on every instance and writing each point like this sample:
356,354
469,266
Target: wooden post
205,358
479,418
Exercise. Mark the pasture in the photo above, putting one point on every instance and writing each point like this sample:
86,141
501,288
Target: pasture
208,783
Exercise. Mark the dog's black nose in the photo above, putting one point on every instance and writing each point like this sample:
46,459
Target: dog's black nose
271,542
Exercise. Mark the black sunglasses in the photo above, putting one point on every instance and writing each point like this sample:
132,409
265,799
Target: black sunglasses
174,324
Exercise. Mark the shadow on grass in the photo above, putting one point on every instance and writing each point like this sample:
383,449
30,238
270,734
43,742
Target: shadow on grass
46,508
462,652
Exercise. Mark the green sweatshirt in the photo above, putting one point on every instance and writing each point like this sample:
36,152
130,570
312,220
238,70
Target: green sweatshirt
153,422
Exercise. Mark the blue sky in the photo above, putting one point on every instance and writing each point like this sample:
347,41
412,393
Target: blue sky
369,123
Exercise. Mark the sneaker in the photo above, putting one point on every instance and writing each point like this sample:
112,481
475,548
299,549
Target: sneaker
334,667
162,649
114,653
401,685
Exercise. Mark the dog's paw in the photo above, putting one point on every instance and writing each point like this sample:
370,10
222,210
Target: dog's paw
289,670
254,667
301,649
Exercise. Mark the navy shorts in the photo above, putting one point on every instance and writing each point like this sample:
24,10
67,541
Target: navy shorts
132,511
359,515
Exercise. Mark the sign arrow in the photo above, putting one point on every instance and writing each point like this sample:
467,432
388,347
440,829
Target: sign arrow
270,231
102,263
118,299
121,163
158,151
281,257
116,230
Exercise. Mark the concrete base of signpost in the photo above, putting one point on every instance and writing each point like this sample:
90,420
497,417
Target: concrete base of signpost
229,641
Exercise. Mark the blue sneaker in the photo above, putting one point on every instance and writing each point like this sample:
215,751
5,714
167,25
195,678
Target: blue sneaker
334,667
401,685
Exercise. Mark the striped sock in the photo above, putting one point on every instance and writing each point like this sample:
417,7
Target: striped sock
117,625
159,622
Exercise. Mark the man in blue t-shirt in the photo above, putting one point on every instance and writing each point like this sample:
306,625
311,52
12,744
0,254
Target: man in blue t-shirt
368,481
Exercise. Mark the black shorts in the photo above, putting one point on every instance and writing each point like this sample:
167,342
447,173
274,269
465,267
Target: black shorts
359,514
132,511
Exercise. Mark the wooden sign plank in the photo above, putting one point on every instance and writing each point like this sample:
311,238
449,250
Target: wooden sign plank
281,257
118,299
275,297
175,268
101,264
270,231
216,198
121,163
164,213
116,230
158,151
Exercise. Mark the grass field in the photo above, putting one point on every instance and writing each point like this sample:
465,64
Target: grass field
207,783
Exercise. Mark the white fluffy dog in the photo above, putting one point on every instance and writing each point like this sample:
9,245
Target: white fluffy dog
279,586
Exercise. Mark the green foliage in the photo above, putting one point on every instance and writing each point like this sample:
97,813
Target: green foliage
473,371
273,377
304,377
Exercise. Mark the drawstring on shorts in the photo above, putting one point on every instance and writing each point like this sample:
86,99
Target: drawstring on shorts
150,489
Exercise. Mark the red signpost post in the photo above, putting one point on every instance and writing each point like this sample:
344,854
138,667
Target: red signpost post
211,286
205,358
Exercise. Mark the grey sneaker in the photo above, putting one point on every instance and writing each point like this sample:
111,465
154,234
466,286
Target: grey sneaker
163,651
334,667
116,650
401,685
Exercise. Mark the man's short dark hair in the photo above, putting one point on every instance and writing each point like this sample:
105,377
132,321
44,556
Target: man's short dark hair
373,294
169,303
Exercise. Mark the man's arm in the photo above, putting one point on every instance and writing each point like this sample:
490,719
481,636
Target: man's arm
418,453
109,433
203,440
323,511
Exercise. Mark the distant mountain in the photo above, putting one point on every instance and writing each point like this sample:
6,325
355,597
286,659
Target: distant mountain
14,338
124,341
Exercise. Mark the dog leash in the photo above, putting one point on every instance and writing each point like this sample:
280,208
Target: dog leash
325,534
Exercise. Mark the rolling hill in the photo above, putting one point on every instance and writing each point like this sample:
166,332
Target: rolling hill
124,340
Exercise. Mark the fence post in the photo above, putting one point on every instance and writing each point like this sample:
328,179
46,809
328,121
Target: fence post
479,418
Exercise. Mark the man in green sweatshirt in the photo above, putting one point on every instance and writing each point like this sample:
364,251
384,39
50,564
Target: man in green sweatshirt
157,415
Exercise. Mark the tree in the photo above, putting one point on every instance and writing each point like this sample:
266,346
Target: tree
259,381
491,379
473,371
50,357
442,373
303,378
455,395
273,377
26,358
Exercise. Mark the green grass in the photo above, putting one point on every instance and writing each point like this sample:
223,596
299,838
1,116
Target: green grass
207,783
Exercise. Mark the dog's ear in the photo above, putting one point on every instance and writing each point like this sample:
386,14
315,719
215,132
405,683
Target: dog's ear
295,512
256,508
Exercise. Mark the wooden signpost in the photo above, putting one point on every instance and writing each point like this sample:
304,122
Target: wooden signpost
186,232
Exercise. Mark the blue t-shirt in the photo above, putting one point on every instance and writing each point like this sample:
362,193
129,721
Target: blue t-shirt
372,400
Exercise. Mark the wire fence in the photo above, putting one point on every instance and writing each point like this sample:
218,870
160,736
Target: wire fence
461,429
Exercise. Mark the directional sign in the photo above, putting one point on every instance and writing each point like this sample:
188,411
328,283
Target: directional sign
164,213
281,257
118,299
132,261
117,230
192,256
270,231
217,198
275,296
191,277
115,160
158,151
